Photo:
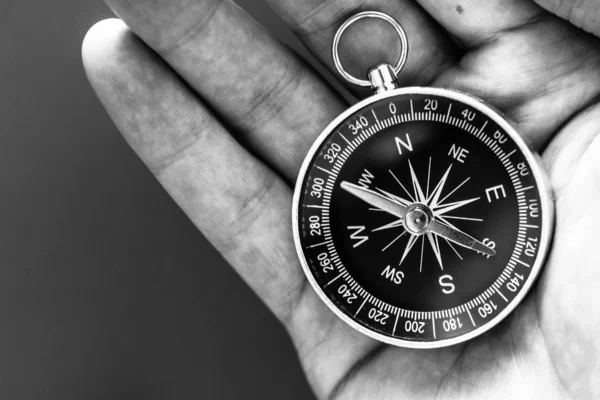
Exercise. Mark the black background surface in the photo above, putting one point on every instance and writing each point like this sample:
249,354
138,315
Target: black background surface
107,291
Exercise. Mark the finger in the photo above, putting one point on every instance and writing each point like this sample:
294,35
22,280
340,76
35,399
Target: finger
474,22
276,105
568,294
240,205
370,42
536,68
583,14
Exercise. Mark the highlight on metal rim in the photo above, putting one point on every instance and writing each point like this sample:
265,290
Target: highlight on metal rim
364,15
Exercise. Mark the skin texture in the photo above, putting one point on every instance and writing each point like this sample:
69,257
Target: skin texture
582,13
185,82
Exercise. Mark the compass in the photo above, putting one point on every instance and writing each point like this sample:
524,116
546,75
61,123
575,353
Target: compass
421,217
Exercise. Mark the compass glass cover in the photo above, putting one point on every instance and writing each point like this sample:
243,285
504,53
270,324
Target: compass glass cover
448,160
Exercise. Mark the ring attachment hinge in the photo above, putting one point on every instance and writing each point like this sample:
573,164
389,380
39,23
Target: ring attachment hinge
382,77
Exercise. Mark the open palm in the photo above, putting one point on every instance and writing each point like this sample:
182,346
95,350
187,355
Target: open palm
223,114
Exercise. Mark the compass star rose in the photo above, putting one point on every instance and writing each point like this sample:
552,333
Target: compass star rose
435,204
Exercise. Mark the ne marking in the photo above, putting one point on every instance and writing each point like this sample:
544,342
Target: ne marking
433,323
314,206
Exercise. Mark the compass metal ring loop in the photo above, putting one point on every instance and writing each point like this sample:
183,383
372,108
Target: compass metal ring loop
368,14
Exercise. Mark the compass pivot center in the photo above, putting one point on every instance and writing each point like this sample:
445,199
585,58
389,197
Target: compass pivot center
418,218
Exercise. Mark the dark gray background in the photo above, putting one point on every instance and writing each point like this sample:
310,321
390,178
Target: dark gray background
106,290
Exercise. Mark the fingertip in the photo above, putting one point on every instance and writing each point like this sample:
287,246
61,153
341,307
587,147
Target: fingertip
102,43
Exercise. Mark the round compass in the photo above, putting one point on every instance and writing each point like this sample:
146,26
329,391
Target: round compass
421,217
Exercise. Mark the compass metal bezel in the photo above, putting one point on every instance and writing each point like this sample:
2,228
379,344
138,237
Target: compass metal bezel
540,176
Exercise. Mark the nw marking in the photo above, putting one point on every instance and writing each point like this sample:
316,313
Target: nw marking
366,179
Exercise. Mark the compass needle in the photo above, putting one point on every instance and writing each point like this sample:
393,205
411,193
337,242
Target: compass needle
445,221
395,179
375,199
460,238
453,248
393,196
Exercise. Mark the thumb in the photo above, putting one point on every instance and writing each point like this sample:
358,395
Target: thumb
568,295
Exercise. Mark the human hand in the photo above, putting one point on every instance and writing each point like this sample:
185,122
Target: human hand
223,115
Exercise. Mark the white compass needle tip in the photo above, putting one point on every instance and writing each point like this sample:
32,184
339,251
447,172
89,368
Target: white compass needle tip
482,248
375,199
460,238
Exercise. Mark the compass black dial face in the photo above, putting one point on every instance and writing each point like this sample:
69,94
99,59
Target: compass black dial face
420,218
